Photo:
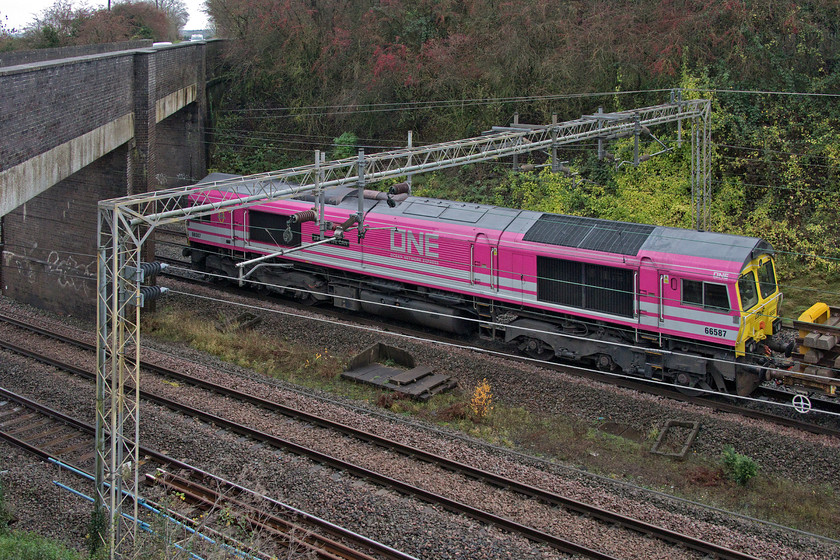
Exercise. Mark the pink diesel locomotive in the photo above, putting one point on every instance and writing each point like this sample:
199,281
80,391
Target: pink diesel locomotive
687,307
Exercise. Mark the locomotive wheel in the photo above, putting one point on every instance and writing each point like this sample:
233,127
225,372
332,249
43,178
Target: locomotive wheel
260,287
689,385
220,278
537,349
606,363
225,271
305,297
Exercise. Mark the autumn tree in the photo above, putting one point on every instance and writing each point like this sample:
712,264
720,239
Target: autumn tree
145,21
7,41
177,13
62,24
57,26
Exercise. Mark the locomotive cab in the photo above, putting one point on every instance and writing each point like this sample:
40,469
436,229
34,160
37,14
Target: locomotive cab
760,304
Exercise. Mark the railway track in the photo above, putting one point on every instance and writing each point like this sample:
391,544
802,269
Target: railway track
50,434
830,426
681,540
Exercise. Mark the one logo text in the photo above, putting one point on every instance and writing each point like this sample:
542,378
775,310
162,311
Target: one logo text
419,243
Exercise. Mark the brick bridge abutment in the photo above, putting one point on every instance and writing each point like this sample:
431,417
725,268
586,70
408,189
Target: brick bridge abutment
83,128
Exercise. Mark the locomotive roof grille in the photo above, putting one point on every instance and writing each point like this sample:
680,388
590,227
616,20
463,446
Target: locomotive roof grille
589,233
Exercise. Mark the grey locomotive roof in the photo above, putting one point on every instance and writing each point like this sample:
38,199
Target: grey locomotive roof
692,243
624,238
482,216
336,196
627,238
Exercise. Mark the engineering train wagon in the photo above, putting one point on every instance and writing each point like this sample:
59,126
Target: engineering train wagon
692,308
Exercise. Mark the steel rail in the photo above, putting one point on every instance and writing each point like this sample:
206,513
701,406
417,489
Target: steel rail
207,498
322,458
627,383
472,472
162,459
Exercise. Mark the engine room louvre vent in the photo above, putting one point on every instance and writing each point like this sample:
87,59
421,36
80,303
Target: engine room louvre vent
589,233
265,227
585,285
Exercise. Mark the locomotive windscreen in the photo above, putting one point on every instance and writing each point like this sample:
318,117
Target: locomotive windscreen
585,286
589,233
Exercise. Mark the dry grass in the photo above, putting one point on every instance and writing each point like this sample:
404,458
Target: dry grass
805,287
249,349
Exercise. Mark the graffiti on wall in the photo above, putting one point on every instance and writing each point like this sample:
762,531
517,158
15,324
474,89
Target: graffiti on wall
21,263
68,272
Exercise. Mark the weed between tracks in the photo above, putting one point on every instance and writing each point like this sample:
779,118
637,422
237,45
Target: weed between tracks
565,440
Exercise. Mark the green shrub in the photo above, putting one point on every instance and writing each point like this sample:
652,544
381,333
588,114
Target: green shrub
739,468
28,546
97,529
345,146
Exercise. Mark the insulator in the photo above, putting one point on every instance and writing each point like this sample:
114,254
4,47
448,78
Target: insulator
149,293
146,270
373,195
152,292
399,188
153,268
353,219
306,216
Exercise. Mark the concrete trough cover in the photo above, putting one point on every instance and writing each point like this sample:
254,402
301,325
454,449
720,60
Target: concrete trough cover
675,438
395,369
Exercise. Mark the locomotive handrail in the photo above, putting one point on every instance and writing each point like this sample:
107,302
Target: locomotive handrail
638,296
280,253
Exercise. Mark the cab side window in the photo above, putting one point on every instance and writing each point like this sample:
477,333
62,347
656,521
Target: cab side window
767,279
692,293
705,294
748,290
715,296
